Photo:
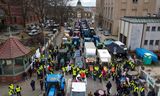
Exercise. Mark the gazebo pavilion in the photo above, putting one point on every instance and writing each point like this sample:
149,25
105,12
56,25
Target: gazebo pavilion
14,60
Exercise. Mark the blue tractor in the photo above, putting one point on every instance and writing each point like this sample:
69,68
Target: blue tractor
96,40
54,85
76,41
86,33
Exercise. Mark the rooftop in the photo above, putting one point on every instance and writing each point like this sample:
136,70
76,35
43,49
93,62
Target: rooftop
139,19
13,48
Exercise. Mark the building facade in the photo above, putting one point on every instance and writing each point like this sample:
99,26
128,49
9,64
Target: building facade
11,14
99,12
157,11
113,10
82,12
140,32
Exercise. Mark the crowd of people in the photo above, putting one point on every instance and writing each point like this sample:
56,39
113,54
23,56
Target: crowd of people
115,71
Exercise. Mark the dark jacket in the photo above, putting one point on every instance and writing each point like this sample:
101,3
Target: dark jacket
109,85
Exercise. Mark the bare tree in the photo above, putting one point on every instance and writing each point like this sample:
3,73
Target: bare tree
60,9
25,6
39,8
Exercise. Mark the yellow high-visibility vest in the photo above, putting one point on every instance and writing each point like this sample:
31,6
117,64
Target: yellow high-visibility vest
11,86
96,68
136,89
78,69
38,71
63,69
10,92
141,89
18,89
100,75
74,72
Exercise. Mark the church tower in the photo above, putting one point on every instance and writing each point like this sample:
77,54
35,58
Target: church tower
79,4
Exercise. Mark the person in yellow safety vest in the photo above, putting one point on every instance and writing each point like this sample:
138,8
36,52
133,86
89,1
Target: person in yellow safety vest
96,68
50,51
78,69
50,56
131,64
74,73
136,89
11,92
63,69
42,56
41,67
38,73
18,90
100,77
132,83
11,87
142,91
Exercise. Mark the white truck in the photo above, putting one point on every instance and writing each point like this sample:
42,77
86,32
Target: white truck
104,56
89,52
78,89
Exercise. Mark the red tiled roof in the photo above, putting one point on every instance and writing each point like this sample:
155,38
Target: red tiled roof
13,48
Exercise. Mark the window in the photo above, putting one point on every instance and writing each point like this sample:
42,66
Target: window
146,1
124,1
135,1
145,12
146,42
148,28
158,28
157,42
153,28
134,12
151,42
123,12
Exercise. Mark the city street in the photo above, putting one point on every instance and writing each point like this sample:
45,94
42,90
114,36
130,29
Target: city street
27,91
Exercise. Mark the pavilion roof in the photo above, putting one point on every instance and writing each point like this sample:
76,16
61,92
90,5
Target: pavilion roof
13,48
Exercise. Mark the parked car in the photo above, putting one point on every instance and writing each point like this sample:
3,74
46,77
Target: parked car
106,33
54,31
100,29
33,32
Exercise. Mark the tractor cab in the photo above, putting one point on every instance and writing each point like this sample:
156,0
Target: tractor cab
54,84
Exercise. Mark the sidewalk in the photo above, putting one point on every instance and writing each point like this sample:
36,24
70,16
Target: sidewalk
102,37
26,88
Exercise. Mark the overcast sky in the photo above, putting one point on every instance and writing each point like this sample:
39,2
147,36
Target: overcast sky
84,2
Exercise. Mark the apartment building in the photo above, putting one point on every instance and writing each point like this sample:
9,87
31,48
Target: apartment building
113,10
140,32
99,12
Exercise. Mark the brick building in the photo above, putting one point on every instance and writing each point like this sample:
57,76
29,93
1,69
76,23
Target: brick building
11,14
